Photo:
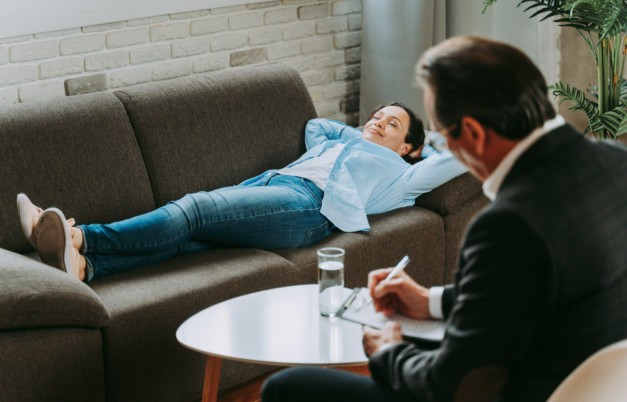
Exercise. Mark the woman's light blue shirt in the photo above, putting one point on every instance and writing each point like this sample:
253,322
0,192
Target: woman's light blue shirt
368,178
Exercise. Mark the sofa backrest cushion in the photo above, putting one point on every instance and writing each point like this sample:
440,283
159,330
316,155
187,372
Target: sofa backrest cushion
208,131
450,196
77,153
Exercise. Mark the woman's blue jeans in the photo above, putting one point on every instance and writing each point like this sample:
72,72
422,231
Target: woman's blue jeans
269,211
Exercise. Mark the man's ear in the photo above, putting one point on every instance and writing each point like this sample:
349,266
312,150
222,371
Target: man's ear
474,134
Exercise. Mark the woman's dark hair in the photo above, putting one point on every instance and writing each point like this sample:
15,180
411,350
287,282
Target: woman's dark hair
415,133
490,81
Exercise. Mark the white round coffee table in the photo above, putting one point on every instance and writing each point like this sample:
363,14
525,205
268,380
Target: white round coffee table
279,326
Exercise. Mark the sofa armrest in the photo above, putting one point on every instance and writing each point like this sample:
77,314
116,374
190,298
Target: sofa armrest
447,198
34,295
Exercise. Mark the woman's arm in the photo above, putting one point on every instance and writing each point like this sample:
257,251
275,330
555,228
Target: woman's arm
318,131
432,172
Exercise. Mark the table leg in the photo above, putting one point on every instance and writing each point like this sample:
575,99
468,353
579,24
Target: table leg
212,379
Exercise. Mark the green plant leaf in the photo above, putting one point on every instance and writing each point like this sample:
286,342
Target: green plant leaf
549,7
615,21
487,4
602,25
615,121
605,17
578,97
567,92
623,91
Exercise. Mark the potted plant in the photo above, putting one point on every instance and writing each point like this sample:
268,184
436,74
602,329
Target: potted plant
602,25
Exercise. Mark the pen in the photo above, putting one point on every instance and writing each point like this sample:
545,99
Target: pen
395,271
350,300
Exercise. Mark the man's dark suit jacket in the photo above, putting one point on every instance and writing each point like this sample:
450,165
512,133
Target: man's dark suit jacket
541,282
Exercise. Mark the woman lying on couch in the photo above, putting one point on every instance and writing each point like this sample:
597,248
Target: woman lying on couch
344,176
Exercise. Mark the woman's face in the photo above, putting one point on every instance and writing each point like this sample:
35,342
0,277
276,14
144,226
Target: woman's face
388,127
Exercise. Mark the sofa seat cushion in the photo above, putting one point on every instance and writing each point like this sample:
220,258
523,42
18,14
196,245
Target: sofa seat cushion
384,246
143,359
77,153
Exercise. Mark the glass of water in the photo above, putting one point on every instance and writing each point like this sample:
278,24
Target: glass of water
330,280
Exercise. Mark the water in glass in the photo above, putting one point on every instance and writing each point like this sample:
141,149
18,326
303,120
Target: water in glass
331,285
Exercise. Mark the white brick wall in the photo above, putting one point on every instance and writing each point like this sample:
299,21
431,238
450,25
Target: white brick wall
169,31
61,67
4,55
283,50
332,25
81,44
317,44
329,60
213,62
353,55
354,22
171,69
299,30
33,51
228,41
8,95
318,77
313,11
63,32
18,74
126,38
319,38
190,47
300,64
150,54
209,25
280,16
263,36
106,61
347,40
41,91
346,7
147,21
244,21
123,78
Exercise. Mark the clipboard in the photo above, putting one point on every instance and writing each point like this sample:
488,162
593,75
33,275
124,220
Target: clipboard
357,308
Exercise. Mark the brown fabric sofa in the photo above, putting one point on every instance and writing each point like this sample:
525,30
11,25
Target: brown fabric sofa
104,157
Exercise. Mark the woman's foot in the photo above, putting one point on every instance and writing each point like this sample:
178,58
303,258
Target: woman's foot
28,214
54,243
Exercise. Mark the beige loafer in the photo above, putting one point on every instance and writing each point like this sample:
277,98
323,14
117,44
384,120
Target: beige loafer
54,242
28,214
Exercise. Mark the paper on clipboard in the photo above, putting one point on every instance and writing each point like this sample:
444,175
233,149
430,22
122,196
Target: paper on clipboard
357,309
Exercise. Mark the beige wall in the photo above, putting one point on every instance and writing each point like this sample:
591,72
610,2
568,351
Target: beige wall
576,68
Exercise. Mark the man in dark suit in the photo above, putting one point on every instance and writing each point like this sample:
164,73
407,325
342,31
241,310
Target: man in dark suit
542,277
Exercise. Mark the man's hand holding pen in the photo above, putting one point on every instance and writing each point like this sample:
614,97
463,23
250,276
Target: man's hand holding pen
399,294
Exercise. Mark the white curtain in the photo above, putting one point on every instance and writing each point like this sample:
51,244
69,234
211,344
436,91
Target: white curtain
396,32
503,21
394,35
